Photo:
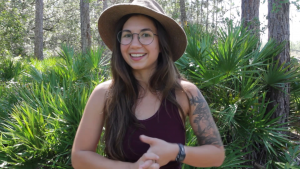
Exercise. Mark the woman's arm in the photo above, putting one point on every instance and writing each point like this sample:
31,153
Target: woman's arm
92,160
210,151
88,134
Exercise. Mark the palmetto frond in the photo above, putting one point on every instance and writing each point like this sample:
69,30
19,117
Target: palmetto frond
278,75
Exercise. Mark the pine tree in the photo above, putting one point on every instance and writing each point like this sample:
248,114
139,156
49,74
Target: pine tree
250,15
38,39
86,41
279,30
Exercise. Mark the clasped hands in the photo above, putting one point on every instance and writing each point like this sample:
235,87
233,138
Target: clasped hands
160,153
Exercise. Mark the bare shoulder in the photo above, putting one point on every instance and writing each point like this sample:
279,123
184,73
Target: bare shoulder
100,91
183,96
103,87
189,87
98,96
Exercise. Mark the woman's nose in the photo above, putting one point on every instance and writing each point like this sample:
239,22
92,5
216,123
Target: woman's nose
135,41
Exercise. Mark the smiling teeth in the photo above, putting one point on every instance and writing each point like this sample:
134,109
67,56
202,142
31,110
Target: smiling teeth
137,55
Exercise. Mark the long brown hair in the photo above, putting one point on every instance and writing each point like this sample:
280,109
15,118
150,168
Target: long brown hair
125,89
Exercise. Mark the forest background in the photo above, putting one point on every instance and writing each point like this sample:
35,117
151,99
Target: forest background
62,22
52,57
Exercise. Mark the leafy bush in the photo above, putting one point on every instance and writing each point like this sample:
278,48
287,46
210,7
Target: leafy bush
12,30
49,103
10,68
234,73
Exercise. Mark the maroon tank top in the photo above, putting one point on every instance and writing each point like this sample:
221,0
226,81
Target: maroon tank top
165,124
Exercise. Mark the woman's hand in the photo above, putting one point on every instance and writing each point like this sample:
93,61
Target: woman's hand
149,164
166,151
147,161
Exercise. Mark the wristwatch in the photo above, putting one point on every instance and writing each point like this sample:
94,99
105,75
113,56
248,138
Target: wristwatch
181,154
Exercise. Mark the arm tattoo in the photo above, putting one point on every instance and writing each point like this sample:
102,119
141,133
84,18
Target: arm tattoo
205,128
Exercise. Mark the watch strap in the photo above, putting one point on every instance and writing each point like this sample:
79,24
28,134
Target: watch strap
181,154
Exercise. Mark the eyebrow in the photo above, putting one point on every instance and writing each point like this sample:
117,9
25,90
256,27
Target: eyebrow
145,29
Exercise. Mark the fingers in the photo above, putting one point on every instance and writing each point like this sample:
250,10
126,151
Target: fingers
149,164
146,139
146,164
148,159
150,156
154,166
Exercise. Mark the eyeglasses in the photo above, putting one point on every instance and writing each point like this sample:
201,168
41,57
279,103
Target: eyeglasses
145,37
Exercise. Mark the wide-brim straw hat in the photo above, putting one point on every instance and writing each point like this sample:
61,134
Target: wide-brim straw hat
109,18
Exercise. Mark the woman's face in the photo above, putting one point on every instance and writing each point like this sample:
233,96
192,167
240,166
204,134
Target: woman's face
137,55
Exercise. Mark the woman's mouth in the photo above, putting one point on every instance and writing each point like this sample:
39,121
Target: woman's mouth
137,57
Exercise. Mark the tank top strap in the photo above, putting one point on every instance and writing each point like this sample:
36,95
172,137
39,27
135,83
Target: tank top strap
174,109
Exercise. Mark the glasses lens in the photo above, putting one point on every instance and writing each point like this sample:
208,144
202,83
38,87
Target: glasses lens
124,37
146,37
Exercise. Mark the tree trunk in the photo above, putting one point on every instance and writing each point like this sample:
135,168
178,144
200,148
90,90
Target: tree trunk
86,41
213,13
279,30
38,31
216,20
197,12
230,10
206,15
250,15
182,13
201,13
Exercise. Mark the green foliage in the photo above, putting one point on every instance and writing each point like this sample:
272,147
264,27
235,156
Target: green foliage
10,68
276,76
296,3
290,157
11,31
47,104
39,122
234,73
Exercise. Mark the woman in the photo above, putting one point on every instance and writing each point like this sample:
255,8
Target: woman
143,108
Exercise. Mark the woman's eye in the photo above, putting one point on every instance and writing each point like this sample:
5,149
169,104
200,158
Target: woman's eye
146,35
127,35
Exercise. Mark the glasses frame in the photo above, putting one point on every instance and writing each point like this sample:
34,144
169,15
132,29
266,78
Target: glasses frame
119,40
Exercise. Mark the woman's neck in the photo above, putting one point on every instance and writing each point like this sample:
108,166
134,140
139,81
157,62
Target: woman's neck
143,76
